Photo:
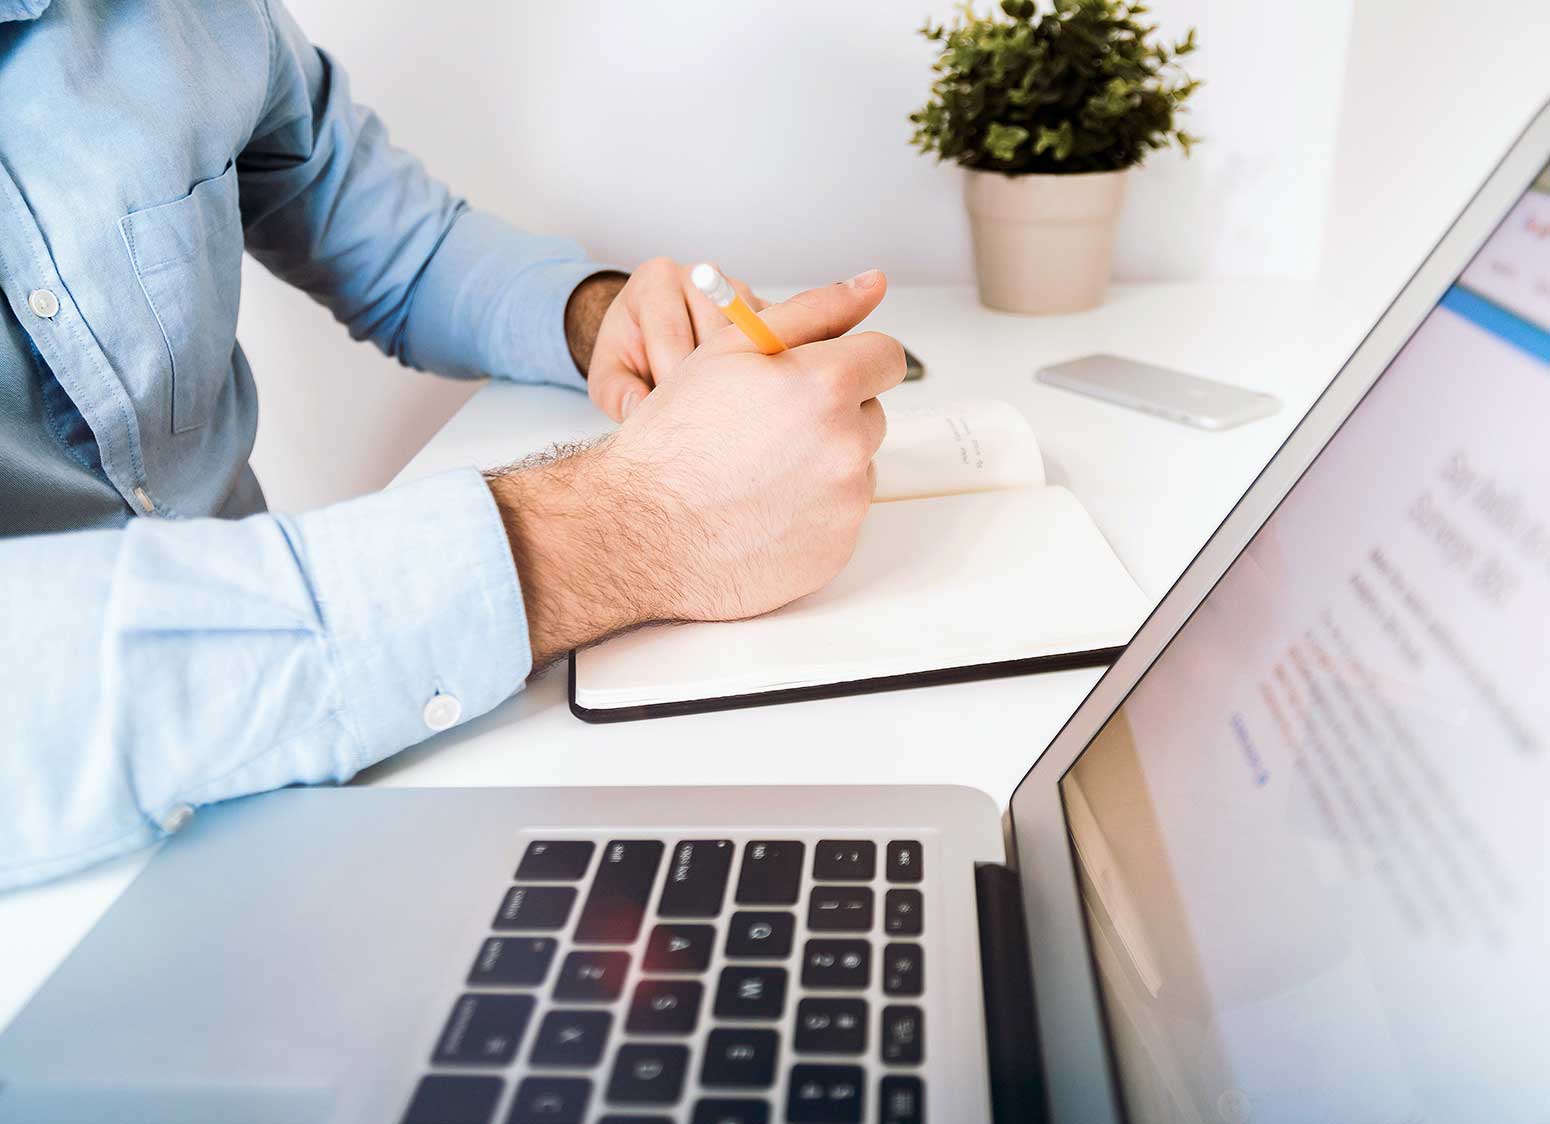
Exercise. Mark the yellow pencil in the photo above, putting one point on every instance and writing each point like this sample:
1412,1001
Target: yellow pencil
708,280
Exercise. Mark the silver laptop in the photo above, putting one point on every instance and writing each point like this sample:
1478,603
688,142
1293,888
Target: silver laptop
1289,861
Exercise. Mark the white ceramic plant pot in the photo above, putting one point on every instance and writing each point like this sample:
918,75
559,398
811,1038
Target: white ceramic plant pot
1043,243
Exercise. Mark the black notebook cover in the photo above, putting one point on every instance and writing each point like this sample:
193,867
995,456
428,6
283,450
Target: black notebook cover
1065,661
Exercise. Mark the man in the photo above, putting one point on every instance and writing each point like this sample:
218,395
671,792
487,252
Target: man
154,661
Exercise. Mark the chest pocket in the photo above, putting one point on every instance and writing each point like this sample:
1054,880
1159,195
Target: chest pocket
188,256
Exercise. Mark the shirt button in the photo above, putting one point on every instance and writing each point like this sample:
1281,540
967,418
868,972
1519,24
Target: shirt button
442,712
175,820
43,302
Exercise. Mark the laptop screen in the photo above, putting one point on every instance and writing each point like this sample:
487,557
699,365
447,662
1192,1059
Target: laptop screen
1313,844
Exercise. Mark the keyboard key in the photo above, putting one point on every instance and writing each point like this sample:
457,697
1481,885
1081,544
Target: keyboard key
772,873
648,1074
845,860
550,1100
754,935
901,1100
620,889
716,1110
904,861
904,969
571,1038
665,1007
904,1032
555,860
444,1099
484,1030
826,1094
831,1026
751,993
679,948
846,909
535,907
740,1058
697,878
513,961
592,976
632,1119
903,913
836,963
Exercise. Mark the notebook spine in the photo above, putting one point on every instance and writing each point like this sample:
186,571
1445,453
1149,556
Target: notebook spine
1011,1029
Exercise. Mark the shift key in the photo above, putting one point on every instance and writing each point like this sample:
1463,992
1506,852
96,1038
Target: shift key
620,890
772,873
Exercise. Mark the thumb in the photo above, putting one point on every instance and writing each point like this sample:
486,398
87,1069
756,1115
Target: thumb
615,388
826,312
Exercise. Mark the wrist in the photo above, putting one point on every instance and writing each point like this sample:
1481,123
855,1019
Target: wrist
584,312
584,552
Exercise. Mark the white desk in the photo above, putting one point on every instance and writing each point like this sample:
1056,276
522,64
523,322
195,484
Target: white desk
1156,489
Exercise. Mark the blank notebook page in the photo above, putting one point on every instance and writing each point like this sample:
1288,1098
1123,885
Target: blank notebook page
948,582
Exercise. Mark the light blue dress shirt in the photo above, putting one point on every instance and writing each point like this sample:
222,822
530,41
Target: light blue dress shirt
162,660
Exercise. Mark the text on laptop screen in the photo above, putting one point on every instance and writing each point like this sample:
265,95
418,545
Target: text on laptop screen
1312,843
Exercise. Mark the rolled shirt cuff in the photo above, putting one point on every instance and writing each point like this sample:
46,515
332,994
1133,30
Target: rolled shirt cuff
422,605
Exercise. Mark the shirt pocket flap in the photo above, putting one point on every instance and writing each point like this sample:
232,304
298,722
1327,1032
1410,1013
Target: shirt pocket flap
171,232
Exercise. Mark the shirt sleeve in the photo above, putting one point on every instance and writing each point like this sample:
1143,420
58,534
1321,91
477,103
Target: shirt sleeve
154,669
330,206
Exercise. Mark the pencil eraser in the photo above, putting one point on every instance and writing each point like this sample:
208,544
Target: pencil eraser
708,280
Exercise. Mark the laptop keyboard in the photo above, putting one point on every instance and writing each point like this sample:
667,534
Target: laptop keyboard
624,984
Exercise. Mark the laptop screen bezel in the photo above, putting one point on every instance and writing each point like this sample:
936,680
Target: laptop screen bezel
1081,1081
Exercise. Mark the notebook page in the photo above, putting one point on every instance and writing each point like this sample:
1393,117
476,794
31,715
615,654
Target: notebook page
974,445
947,582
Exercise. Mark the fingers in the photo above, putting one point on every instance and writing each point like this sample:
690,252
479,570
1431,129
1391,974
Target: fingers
704,315
874,423
674,316
827,312
865,364
615,388
663,316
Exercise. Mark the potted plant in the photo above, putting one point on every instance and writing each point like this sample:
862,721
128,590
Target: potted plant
1047,111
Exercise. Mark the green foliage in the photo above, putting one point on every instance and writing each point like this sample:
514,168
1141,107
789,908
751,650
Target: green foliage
1082,87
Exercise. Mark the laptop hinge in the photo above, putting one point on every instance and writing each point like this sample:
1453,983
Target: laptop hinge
1011,1030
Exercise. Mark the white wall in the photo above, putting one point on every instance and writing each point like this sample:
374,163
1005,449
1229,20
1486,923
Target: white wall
770,137
774,137
1435,93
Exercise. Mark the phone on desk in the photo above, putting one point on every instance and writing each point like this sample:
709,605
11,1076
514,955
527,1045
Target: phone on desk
1203,403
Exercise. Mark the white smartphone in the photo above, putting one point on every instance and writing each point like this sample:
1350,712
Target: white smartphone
1203,403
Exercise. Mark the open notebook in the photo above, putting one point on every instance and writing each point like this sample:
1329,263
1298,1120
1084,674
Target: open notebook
968,566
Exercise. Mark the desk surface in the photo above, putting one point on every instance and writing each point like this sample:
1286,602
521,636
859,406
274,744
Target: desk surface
1157,490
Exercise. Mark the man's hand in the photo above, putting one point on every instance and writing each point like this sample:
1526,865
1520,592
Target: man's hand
738,486
629,336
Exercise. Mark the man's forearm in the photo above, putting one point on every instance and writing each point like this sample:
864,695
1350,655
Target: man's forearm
587,551
584,314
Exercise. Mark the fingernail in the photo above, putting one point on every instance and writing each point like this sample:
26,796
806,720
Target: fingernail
864,280
631,400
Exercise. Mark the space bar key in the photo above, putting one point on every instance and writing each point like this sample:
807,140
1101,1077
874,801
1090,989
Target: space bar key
620,890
